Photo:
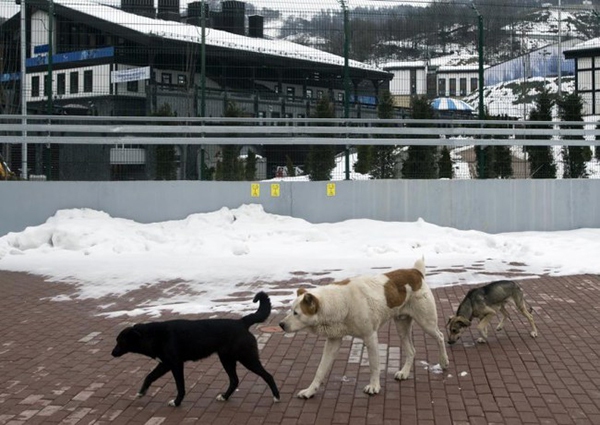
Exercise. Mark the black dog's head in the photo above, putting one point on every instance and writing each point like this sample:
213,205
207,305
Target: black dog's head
128,341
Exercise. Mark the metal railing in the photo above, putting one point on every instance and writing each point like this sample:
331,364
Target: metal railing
57,129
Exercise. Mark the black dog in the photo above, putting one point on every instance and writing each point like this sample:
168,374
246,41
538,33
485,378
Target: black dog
176,341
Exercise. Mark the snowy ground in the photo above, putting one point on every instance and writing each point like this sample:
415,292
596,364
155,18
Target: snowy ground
214,256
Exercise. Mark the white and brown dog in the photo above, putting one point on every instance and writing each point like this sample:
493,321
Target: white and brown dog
359,307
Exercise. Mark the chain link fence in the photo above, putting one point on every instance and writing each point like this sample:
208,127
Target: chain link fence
279,62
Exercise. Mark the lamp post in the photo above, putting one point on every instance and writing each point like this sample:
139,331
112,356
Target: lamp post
49,104
24,90
481,110
346,80
202,81
559,49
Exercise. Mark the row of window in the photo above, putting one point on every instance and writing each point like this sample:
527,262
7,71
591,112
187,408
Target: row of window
61,83
452,87
308,93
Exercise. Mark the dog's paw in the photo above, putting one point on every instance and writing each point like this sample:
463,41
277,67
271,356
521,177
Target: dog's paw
306,393
372,389
140,395
275,400
173,403
481,340
444,363
401,375
533,334
499,328
221,398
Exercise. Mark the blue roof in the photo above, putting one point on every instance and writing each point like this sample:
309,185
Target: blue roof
449,104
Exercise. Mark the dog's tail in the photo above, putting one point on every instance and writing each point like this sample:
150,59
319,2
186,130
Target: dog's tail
264,310
420,265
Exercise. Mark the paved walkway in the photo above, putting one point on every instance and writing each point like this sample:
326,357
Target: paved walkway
55,367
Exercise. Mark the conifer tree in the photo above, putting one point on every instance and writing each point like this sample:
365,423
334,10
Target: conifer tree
166,168
421,160
230,168
541,163
445,164
574,157
250,166
497,160
321,158
384,158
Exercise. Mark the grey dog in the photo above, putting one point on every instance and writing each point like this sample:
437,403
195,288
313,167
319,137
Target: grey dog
484,303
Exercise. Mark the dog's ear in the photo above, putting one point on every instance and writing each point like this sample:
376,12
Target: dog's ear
301,291
450,319
309,304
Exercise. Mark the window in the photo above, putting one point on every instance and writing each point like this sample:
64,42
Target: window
340,97
165,79
463,86
74,82
291,92
35,86
452,86
413,81
442,87
319,94
474,85
88,81
182,79
61,83
309,93
132,86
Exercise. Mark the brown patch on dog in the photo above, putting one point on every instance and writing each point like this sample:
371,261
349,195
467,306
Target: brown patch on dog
342,282
301,291
309,304
395,287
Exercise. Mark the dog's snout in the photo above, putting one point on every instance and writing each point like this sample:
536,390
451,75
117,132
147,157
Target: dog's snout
451,342
282,325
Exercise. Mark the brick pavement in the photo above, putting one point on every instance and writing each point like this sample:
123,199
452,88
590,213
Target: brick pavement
55,367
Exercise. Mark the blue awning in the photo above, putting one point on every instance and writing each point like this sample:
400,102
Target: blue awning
449,104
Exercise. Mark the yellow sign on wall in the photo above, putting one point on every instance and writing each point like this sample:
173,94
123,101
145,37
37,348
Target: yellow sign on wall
330,189
255,190
275,190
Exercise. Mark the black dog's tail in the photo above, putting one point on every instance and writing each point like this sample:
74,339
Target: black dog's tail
264,310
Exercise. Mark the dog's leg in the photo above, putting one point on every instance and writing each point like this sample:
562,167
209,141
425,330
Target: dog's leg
229,366
403,326
483,327
156,373
523,309
252,363
429,325
332,346
177,371
372,343
504,316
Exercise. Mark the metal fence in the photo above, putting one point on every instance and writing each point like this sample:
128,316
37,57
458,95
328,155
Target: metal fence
167,148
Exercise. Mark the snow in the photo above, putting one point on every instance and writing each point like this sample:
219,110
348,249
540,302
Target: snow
201,262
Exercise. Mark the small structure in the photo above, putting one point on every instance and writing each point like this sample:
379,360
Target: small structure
447,107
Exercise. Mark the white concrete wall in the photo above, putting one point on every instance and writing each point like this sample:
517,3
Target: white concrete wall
491,206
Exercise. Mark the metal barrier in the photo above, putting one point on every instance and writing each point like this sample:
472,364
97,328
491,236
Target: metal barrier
195,131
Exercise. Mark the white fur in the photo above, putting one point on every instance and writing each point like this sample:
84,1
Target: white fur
359,308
